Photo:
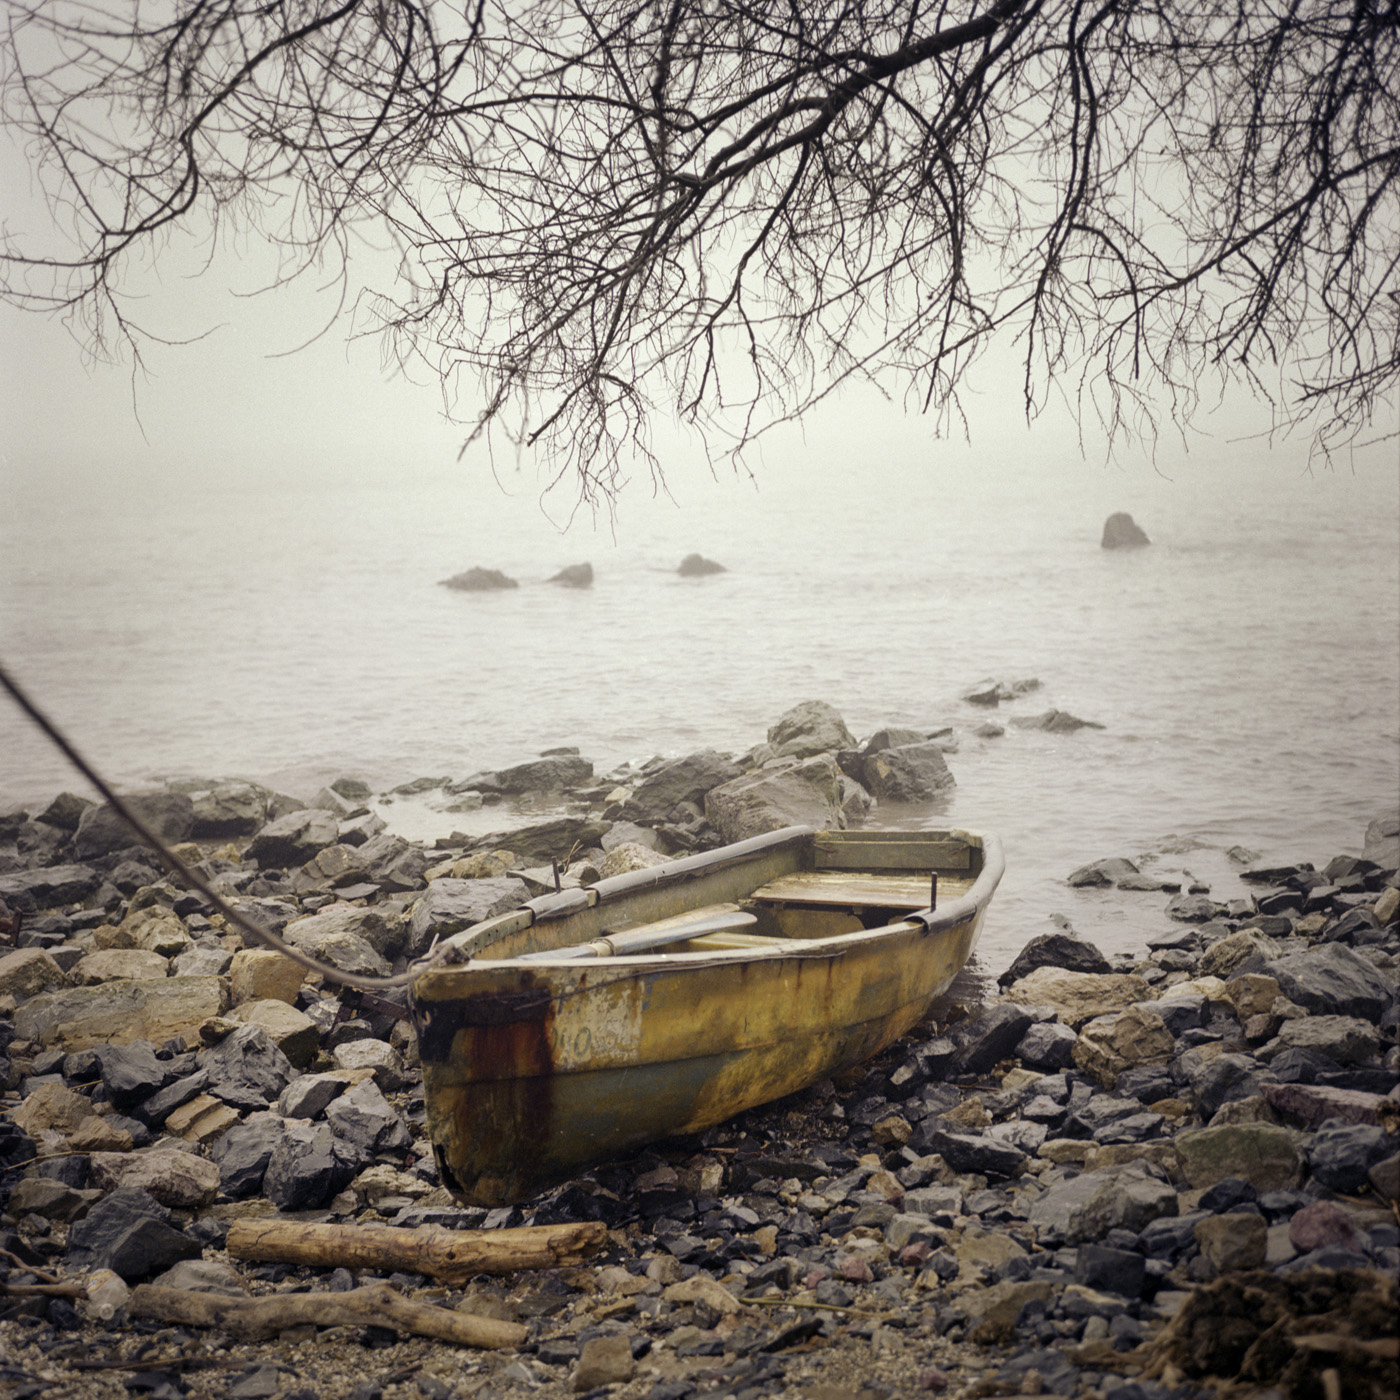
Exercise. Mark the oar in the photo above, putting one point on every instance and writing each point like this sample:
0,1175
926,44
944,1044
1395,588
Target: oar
649,936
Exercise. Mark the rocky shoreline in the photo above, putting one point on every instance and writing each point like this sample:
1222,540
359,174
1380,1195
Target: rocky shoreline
1131,1178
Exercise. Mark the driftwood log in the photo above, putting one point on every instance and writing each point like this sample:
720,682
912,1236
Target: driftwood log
452,1256
378,1305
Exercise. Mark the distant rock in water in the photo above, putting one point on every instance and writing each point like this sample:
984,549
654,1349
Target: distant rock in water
575,576
1054,722
697,566
480,581
1121,531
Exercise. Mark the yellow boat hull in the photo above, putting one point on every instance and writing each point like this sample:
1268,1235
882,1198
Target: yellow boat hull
537,1067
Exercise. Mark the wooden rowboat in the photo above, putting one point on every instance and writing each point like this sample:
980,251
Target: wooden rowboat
591,1021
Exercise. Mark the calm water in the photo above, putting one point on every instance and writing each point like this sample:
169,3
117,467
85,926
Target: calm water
1246,667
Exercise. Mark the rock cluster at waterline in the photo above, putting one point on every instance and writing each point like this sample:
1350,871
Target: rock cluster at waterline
1138,1171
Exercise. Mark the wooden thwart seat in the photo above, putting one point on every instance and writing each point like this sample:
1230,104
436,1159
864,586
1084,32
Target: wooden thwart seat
848,890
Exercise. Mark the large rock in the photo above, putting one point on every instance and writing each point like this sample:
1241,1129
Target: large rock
258,973
1121,531
908,773
1262,1154
1332,980
697,566
1062,950
307,1167
1345,1039
130,1234
101,830
230,809
448,906
1110,1044
574,576
1087,1207
117,1012
479,580
28,971
29,890
173,1177
813,727
246,1069
293,1032
542,842
551,774
1077,997
292,840
119,964
806,793
347,937
1383,841
686,779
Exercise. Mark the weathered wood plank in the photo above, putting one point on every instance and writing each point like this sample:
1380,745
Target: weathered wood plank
833,887
889,850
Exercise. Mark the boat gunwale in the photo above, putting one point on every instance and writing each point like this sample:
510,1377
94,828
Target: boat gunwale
928,921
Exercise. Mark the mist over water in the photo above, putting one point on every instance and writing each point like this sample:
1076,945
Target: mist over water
1246,666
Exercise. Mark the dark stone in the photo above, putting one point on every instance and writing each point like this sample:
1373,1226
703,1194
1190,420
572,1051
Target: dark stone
1146,1083
909,773
685,779
1180,1014
989,1037
479,580
1340,1158
1223,1079
1119,1271
307,1167
362,1118
1170,1236
130,1234
101,831
1331,980
574,576
545,775
131,1072
26,891
246,1069
1297,1066
697,566
243,1152
1227,1194
970,1152
1048,1045
452,905
1192,909
1121,531
292,840
156,1109
1055,950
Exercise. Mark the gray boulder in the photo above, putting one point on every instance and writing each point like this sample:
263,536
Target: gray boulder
1055,950
574,576
1121,531
686,779
246,1069
812,727
542,842
697,566
292,840
65,811
1332,980
230,809
908,773
101,830
545,774
1383,842
448,906
307,1167
478,580
1087,1207
343,936
28,890
1054,722
803,793
243,1152
394,863
131,1234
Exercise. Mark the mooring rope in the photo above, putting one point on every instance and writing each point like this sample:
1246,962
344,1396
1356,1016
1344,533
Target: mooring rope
191,878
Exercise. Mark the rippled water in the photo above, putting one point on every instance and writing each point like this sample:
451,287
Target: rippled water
1246,667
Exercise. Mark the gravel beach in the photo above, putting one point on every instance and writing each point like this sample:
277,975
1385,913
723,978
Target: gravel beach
1167,1174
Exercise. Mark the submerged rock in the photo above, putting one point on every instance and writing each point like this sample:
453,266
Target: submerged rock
1121,531
697,566
479,580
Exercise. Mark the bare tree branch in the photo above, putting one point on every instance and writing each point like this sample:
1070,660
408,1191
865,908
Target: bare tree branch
606,210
